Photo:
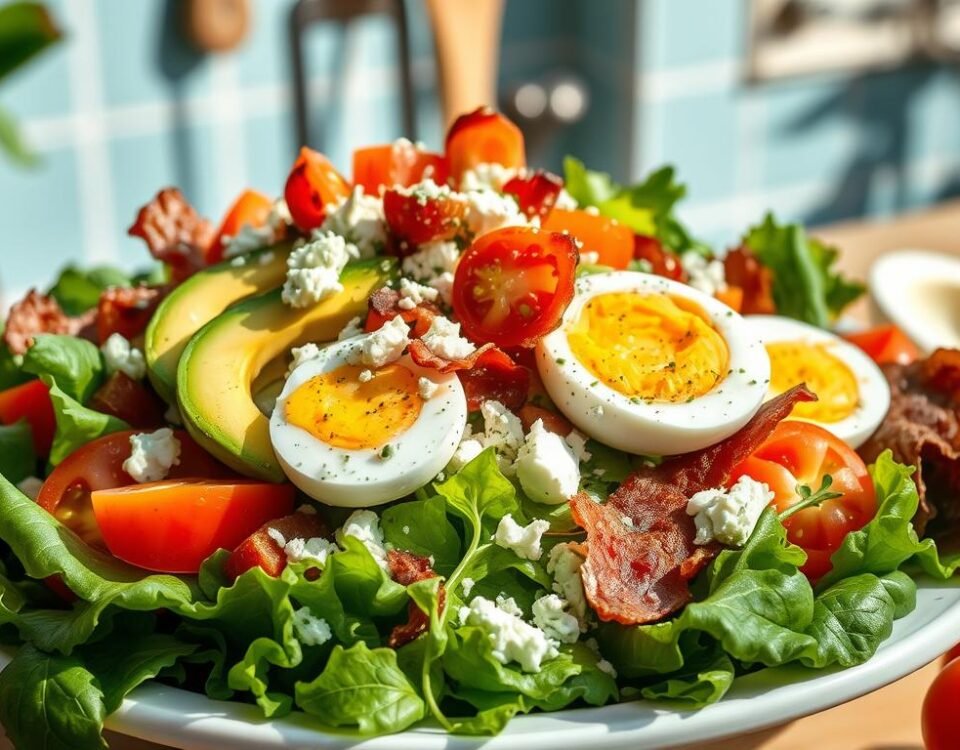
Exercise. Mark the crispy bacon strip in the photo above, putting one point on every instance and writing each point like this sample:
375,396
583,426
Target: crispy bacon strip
127,310
129,400
174,232
638,570
384,306
37,313
743,270
407,568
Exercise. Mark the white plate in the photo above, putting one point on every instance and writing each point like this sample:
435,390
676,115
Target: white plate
186,720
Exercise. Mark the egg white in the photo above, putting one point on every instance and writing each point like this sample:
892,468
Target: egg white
654,428
874,392
362,478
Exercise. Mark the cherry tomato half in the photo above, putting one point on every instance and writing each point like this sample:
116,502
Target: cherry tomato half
313,184
802,453
250,208
886,345
940,715
513,285
483,137
536,193
30,401
414,220
400,163
611,240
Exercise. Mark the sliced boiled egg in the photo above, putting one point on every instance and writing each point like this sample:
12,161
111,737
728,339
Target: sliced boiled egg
652,366
852,393
354,437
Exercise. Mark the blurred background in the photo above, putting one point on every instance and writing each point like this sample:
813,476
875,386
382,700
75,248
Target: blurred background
819,109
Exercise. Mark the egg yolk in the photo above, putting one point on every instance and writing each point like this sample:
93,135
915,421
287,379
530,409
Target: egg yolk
340,410
794,362
654,347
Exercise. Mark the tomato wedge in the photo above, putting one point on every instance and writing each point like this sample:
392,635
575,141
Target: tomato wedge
513,285
30,401
940,718
313,184
414,220
886,345
250,208
260,549
536,193
803,453
173,526
611,240
483,136
398,163
99,466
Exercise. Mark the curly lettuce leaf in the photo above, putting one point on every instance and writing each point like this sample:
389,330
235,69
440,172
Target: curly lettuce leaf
77,290
73,363
703,681
422,527
77,424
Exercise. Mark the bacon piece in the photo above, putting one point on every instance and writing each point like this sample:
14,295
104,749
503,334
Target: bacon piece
127,310
637,570
174,232
261,549
37,313
383,306
743,270
407,568
126,399
552,421
423,356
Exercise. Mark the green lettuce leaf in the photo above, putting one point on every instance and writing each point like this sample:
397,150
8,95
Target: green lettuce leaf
17,457
74,364
77,290
422,527
703,682
77,424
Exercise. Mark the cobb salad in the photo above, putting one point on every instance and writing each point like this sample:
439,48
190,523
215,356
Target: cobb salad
451,441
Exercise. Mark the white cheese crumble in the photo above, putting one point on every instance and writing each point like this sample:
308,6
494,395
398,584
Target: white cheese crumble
251,238
427,388
354,327
383,346
469,448
302,354
565,201
364,525
365,376
487,176
502,429
428,190
550,615
488,210
314,268
707,276
152,455
30,486
309,629
523,541
547,468
443,339
578,444
603,665
564,564
468,584
433,264
359,219
590,257
313,550
120,356
728,516
511,639
413,294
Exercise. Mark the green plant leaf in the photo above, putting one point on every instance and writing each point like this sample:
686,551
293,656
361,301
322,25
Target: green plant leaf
422,527
17,457
26,29
78,291
75,364
13,143
77,425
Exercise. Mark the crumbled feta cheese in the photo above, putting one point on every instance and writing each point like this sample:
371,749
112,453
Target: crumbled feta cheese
302,354
564,565
364,525
313,269
30,487
708,276
546,467
578,444
365,376
511,639
248,239
509,605
265,259
443,339
427,388
428,190
120,356
152,455
728,516
590,257
359,219
383,346
603,665
468,584
524,541
313,550
565,201
354,327
413,294
433,264
486,176
487,210
309,629
502,429
470,447
550,615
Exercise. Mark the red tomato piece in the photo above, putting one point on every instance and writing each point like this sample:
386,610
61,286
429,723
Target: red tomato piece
313,184
803,453
127,311
941,709
250,208
662,261
483,136
30,401
611,240
886,345
261,549
952,654
536,193
399,163
513,285
126,399
414,219
173,526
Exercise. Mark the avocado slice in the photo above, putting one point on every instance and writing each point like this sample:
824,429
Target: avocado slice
200,299
217,370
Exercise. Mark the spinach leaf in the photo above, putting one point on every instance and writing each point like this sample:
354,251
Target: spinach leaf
77,424
17,458
74,364
78,291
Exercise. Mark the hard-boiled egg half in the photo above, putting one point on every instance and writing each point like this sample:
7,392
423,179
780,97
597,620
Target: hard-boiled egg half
652,366
353,437
853,395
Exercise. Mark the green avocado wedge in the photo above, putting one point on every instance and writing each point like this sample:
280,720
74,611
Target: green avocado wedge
200,299
218,368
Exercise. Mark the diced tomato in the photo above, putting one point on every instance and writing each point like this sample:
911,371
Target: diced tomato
886,344
98,465
536,193
940,715
173,526
399,163
261,549
513,285
30,401
483,136
552,421
744,270
250,208
731,296
127,311
126,399
662,261
414,219
313,184
611,240
803,453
